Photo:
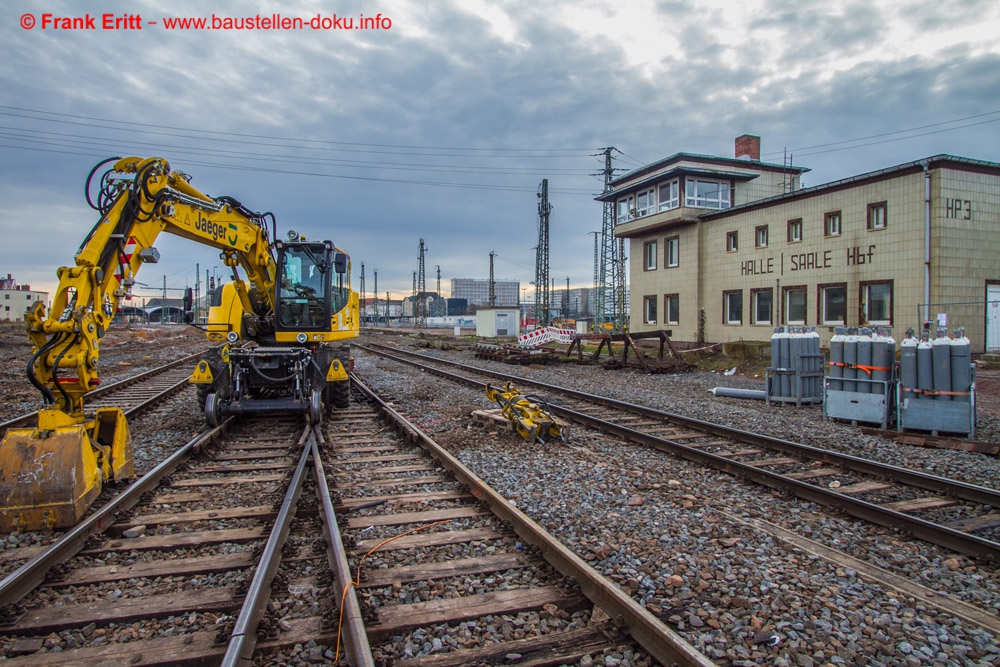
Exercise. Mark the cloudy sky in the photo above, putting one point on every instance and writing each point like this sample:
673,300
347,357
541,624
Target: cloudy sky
441,123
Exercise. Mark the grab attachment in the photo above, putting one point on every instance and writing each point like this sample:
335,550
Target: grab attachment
530,416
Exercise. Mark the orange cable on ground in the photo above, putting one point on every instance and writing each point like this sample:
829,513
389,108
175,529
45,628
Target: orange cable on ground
343,595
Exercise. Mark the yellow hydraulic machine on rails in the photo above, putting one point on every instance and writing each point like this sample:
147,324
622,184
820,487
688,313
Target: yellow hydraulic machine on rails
530,416
284,332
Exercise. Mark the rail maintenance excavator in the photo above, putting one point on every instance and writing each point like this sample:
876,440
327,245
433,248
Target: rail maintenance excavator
282,335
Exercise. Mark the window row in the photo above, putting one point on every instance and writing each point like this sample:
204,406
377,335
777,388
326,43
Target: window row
874,305
7,297
671,253
698,193
877,218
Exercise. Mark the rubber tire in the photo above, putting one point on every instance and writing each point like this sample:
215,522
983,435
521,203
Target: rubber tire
202,391
338,394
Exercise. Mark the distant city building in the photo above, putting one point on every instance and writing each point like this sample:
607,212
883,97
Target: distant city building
457,307
477,291
17,299
579,305
434,305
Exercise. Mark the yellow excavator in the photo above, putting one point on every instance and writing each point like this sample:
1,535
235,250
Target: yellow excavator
282,327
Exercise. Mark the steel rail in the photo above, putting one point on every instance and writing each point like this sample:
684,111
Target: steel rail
29,575
662,643
109,388
359,651
964,490
935,533
243,639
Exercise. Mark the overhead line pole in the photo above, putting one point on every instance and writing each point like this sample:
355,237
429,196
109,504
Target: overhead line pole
542,294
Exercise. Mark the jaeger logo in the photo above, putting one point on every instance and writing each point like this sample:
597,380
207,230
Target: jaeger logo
215,230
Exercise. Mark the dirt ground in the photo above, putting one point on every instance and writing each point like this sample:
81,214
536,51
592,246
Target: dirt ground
125,349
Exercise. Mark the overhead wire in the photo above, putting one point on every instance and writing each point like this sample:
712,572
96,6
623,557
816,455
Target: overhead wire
470,186
279,158
332,145
888,134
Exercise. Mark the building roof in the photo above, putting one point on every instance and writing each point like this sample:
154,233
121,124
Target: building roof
709,159
934,162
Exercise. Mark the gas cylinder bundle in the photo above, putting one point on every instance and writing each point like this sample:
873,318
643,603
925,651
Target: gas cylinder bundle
861,359
935,369
797,365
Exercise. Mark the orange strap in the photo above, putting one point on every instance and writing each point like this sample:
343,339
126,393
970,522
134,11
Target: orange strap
862,367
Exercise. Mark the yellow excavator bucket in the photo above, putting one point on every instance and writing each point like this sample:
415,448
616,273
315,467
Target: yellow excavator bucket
50,475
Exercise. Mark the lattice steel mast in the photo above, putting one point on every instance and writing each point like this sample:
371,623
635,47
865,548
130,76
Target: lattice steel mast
420,303
542,257
609,300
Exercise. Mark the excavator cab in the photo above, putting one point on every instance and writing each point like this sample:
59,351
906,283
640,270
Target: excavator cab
305,285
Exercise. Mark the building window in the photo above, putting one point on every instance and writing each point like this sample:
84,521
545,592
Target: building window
626,210
649,252
673,251
732,242
833,304
6,297
795,230
672,308
795,305
645,203
877,215
876,302
670,195
831,224
732,307
706,194
760,237
760,301
649,310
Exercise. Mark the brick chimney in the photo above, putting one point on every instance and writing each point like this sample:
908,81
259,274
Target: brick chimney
748,146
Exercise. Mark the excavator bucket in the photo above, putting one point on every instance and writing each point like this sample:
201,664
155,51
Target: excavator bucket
48,478
113,436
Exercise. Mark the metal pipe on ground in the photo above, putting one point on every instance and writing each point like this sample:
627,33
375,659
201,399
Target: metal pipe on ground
758,394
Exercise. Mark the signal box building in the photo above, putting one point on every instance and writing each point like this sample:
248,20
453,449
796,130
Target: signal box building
724,249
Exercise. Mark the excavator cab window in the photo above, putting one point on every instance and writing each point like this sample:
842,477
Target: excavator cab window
304,287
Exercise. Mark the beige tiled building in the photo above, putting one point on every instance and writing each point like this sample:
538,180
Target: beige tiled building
723,249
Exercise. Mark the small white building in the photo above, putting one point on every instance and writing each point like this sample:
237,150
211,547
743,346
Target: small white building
498,322
15,300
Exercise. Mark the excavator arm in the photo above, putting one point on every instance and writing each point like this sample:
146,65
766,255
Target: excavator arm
50,475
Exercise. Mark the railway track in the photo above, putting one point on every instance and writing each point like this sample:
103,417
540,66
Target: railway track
439,551
229,551
144,389
950,513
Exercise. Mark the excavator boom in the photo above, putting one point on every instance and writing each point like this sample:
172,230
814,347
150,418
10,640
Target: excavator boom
50,474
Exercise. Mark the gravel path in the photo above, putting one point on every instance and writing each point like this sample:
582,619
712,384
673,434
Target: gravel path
675,536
